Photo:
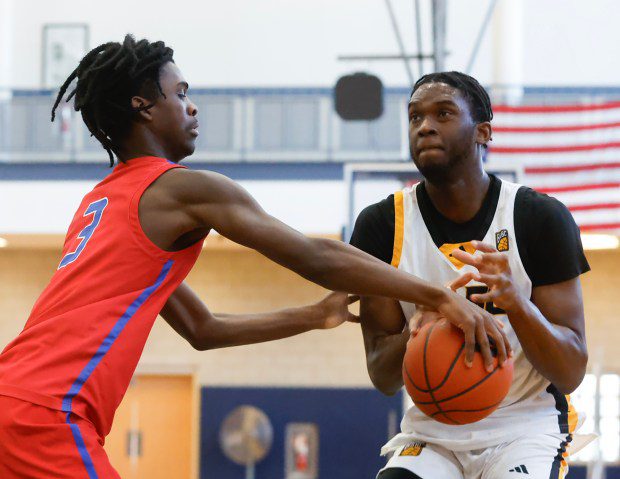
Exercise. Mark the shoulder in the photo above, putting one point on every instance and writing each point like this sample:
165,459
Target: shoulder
534,202
548,238
538,215
382,209
186,186
194,198
374,229
380,214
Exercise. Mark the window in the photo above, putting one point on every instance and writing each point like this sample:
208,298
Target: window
605,412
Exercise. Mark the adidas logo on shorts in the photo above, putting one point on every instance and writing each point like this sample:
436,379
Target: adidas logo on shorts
521,469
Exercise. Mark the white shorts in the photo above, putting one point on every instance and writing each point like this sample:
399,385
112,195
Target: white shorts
541,456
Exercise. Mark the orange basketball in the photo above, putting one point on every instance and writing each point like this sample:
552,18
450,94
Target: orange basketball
440,384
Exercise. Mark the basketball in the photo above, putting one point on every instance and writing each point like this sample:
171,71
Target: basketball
442,386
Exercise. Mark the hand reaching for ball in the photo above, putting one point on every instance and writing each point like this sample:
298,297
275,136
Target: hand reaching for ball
333,310
478,333
424,316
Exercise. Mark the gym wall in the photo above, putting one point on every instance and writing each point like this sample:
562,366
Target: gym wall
233,280
303,50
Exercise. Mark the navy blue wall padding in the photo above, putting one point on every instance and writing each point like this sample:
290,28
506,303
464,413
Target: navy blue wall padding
353,425
577,472
612,472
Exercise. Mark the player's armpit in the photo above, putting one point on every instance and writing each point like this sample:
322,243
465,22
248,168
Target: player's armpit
385,340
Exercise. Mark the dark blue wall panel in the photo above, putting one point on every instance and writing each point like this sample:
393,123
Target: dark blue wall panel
353,425
577,472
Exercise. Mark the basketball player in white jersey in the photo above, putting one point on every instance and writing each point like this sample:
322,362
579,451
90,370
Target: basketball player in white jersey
515,252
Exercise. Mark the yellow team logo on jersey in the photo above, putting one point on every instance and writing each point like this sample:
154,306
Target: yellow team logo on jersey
448,248
413,449
501,240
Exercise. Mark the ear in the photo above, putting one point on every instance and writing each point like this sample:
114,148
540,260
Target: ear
138,102
484,132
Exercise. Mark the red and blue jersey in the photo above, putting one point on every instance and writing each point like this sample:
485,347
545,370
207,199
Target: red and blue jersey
86,332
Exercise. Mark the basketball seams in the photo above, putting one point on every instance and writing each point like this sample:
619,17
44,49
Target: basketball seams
436,404
443,381
473,386
411,380
456,358
441,409
428,384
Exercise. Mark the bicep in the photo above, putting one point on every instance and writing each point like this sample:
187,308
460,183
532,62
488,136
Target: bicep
219,203
562,305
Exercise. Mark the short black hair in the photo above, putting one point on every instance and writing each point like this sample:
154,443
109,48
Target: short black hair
107,78
474,92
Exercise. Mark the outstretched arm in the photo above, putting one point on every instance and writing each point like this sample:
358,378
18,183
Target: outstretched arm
215,201
191,318
206,200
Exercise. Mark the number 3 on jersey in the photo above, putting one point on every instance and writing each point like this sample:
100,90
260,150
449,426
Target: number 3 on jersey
96,209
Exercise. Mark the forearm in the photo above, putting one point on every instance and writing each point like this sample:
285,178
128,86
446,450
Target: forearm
557,352
191,318
384,359
240,329
332,264
341,267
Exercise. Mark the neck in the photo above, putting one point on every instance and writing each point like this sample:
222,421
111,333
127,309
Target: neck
460,197
142,143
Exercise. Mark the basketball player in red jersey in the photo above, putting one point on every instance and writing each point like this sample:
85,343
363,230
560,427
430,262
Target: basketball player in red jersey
131,243
515,252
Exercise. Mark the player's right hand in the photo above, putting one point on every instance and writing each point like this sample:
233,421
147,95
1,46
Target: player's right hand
477,326
333,310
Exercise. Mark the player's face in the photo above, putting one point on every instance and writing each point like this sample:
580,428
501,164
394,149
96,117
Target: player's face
174,119
442,133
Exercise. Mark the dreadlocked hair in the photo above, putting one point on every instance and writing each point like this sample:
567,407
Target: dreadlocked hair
107,78
474,93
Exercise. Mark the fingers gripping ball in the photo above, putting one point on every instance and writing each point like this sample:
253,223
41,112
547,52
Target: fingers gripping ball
440,383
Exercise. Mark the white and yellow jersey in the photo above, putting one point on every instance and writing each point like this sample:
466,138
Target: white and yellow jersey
532,403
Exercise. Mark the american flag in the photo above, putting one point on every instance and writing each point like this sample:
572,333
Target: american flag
571,152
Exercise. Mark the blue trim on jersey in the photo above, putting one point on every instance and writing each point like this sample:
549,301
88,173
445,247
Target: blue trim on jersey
79,440
112,336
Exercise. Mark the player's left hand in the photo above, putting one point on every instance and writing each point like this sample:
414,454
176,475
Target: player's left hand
494,271
334,310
